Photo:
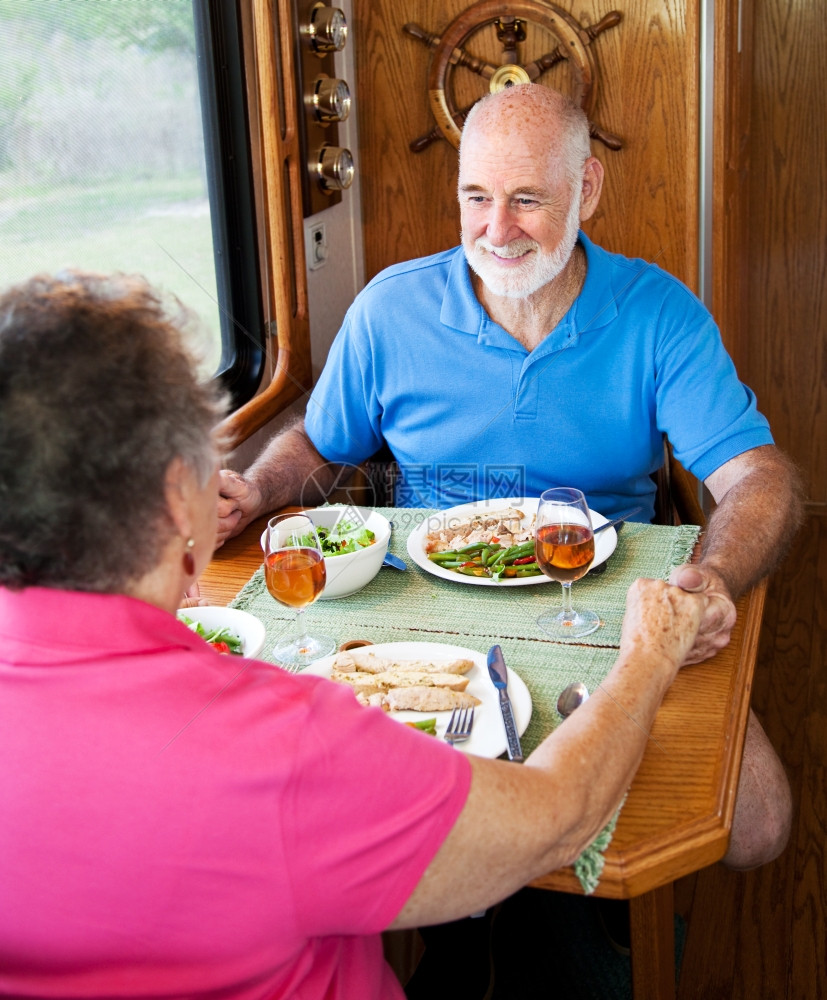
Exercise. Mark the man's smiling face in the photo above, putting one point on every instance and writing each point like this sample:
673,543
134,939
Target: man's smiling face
520,216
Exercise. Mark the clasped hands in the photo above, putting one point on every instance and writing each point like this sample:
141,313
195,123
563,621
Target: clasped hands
239,502
719,609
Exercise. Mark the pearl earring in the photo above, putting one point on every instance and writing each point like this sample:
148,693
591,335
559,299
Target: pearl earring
189,560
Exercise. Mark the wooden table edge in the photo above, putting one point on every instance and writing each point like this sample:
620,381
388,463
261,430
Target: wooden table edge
702,840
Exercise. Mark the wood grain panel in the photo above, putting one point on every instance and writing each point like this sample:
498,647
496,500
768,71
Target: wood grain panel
785,359
409,202
782,694
817,716
734,51
809,938
647,94
803,922
652,934
649,98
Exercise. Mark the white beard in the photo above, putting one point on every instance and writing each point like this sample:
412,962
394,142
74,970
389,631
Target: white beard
540,268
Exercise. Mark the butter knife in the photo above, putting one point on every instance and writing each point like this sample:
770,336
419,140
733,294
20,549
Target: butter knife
499,675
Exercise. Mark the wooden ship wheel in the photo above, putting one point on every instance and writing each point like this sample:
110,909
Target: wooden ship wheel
509,18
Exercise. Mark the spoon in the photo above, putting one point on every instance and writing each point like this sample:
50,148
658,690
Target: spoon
392,560
571,697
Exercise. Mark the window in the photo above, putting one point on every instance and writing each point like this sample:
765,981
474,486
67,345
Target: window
124,146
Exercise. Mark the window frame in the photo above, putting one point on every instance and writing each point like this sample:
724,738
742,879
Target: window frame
228,143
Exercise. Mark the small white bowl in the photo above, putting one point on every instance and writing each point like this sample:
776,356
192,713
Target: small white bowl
241,623
345,574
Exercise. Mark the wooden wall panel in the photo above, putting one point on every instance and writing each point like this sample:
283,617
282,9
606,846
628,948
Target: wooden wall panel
785,355
408,199
734,55
647,94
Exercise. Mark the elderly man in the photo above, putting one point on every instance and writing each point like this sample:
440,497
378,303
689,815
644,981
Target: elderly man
530,357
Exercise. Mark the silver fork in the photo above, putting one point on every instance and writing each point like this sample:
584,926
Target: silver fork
459,725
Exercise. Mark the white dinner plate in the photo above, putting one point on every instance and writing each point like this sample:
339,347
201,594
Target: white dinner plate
488,735
604,543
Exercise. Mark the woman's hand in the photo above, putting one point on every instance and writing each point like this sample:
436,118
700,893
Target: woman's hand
192,598
663,619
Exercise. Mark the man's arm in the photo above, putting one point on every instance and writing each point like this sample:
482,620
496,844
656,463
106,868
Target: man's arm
288,471
523,821
759,509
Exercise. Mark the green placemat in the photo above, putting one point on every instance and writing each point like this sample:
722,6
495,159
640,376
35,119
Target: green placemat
417,606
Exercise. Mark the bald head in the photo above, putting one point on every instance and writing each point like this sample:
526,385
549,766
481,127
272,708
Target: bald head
533,118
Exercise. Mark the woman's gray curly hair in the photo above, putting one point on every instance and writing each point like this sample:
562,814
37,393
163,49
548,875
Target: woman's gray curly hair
98,394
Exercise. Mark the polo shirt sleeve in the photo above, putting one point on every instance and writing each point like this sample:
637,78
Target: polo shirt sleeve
370,802
708,414
343,413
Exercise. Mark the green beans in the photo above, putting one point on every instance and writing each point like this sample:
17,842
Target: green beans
532,569
494,555
490,559
424,726
506,556
443,557
467,570
518,551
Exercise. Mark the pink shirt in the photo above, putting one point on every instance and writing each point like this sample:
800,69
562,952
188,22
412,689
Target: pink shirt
177,823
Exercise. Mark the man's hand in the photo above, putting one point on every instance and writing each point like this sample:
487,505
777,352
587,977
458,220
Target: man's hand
719,614
663,619
239,502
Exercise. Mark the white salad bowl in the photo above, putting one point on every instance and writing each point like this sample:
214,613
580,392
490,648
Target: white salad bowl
347,573
350,571
241,623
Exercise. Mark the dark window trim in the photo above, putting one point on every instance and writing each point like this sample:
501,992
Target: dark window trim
227,144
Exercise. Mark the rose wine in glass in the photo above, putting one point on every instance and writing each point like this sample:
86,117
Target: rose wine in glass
294,571
564,542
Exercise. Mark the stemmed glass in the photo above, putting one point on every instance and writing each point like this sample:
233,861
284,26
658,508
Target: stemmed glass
294,571
564,541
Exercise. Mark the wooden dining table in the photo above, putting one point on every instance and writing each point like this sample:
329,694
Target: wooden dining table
678,812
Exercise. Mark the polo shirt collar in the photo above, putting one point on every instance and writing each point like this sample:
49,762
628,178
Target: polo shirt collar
593,308
596,305
461,309
42,625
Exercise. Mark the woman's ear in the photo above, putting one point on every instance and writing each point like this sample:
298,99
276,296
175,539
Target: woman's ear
179,484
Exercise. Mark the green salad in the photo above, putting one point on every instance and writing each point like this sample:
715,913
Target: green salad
346,536
221,639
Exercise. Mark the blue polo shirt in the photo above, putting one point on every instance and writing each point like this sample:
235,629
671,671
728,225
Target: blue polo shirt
470,414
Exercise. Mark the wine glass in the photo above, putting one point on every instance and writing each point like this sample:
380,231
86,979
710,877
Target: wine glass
294,571
564,541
